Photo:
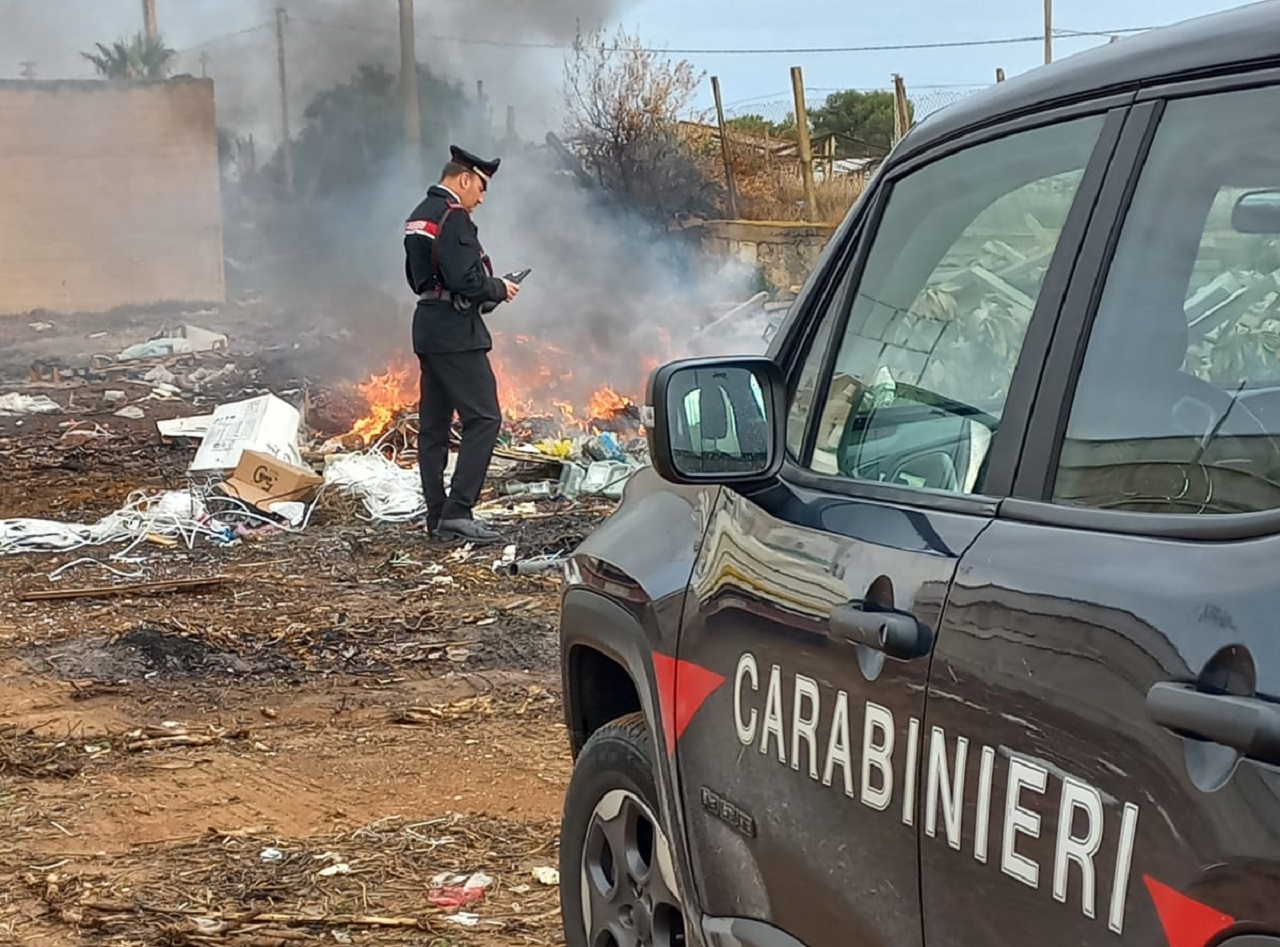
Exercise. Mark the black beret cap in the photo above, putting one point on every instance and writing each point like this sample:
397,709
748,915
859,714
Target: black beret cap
486,169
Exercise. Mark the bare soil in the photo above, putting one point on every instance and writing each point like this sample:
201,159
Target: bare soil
316,751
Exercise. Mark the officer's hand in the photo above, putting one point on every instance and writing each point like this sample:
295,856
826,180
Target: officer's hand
513,289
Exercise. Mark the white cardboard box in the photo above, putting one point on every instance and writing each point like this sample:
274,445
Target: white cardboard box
264,424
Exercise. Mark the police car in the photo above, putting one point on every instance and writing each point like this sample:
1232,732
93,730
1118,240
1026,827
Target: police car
955,619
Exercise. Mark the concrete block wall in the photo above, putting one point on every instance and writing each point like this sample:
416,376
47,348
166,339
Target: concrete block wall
785,252
109,195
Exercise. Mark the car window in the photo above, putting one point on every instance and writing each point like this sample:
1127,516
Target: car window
937,322
802,395
1177,407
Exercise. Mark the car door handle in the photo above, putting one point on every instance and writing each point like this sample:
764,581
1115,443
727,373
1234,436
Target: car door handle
898,634
1249,725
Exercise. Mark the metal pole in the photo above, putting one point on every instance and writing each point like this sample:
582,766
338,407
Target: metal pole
281,18
1048,31
724,149
803,144
409,91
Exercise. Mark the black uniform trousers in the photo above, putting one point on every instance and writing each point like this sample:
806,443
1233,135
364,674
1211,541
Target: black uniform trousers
463,382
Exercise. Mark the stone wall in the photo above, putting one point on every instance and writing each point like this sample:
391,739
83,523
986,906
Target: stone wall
785,252
109,195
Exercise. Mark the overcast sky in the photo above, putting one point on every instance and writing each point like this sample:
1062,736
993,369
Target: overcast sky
53,32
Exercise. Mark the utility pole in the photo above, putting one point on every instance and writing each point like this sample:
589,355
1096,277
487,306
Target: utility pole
804,145
281,18
149,17
1048,31
204,65
409,90
724,150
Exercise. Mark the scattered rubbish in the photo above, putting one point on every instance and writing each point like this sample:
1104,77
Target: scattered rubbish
132,412
464,918
508,557
546,875
271,855
606,478
342,868
542,488
263,481
603,447
192,427
535,566
182,341
19,404
168,514
40,326
113,396
265,424
390,493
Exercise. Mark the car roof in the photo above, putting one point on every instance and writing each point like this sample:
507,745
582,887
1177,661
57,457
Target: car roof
1243,36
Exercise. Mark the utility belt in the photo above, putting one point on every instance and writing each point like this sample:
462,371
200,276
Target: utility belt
459,303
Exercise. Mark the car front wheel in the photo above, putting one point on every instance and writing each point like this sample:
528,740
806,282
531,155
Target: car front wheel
617,878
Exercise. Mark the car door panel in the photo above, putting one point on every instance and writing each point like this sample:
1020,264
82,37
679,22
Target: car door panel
814,604
1109,654
1048,685
811,737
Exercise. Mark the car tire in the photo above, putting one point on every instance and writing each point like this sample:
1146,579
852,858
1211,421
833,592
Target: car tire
617,877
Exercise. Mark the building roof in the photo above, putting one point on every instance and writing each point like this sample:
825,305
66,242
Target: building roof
1245,36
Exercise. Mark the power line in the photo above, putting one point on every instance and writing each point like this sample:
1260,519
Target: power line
707,51
722,51
225,36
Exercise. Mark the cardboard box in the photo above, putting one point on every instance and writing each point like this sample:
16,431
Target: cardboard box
262,480
265,425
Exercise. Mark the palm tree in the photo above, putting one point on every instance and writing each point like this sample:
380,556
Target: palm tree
138,58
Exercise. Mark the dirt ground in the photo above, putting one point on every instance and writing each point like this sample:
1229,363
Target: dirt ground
322,747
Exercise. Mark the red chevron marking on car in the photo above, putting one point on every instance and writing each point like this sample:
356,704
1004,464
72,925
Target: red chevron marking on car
683,688
1186,922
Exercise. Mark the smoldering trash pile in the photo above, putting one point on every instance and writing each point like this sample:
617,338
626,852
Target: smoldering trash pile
258,471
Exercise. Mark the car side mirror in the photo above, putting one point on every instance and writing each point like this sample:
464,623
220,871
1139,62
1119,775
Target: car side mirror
717,420
1257,212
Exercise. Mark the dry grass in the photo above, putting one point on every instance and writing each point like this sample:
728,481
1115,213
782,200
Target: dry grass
771,188
252,891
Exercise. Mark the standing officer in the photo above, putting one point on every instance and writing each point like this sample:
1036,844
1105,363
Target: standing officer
451,274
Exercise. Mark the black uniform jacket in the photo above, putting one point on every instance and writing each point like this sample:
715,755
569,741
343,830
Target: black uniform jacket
464,271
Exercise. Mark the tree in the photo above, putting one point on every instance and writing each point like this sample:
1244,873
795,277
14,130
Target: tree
352,131
139,58
861,121
623,104
759,125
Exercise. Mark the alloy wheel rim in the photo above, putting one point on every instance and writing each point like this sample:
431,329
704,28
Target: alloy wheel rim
629,893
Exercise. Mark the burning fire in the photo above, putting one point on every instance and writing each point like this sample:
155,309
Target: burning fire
546,390
387,395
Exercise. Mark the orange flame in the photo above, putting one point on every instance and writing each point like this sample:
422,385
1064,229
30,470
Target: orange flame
387,395
537,387
606,403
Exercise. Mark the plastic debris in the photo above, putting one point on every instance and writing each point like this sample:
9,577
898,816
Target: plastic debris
171,513
545,875
389,492
20,404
